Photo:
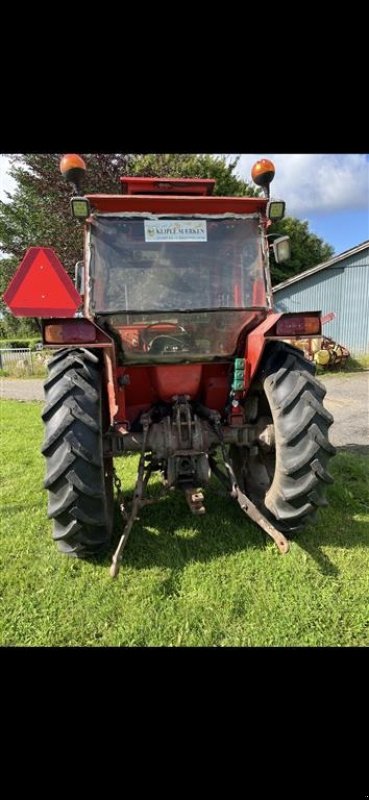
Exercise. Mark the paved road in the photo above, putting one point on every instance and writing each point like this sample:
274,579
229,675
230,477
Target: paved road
347,399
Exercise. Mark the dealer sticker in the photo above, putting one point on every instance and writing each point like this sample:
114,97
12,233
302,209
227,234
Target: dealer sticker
180,230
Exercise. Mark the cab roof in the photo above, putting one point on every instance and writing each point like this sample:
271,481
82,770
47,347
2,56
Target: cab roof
178,186
175,204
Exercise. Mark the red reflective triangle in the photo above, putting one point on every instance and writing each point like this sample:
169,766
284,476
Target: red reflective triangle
41,287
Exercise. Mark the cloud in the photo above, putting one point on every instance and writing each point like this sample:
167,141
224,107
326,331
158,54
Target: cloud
316,183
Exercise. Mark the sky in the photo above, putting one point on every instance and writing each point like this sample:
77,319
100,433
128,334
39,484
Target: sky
331,191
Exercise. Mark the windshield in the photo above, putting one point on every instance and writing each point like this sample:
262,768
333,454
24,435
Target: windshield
183,264
182,336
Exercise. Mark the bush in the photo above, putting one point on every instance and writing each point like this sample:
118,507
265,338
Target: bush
14,343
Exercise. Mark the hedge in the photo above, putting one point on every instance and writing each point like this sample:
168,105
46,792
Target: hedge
13,343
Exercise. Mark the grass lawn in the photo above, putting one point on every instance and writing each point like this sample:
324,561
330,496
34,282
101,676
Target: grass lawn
189,581
353,364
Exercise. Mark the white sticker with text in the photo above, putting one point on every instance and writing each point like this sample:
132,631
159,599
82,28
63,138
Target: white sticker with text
180,230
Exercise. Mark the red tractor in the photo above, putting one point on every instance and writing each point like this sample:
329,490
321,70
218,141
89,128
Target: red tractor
177,355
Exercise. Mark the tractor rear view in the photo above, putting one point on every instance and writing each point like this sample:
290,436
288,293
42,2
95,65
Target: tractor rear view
178,356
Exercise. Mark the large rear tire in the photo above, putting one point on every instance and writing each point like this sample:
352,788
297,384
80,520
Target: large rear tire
78,478
288,481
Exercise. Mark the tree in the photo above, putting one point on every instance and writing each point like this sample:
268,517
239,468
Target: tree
307,249
38,214
188,165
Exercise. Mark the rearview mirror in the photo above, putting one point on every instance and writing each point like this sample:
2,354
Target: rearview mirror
282,249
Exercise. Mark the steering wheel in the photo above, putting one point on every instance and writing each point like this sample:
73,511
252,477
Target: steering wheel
166,342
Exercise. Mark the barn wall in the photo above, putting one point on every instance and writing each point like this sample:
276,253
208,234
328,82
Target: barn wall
343,288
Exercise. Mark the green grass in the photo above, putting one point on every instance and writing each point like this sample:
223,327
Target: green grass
188,581
358,362
353,364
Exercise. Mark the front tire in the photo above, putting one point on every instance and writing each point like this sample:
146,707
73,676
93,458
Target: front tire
288,482
78,478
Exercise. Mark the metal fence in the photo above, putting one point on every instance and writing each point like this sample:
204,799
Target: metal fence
15,356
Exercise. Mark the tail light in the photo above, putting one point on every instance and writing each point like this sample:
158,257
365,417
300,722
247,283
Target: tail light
298,324
71,331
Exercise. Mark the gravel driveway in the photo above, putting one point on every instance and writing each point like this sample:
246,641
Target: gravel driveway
21,389
347,399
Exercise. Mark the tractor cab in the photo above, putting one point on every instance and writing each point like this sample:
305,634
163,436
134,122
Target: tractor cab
177,285
179,273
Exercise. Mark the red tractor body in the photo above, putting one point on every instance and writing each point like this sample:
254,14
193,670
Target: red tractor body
178,315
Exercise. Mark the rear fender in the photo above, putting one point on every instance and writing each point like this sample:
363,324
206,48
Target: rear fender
82,332
255,344
267,331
